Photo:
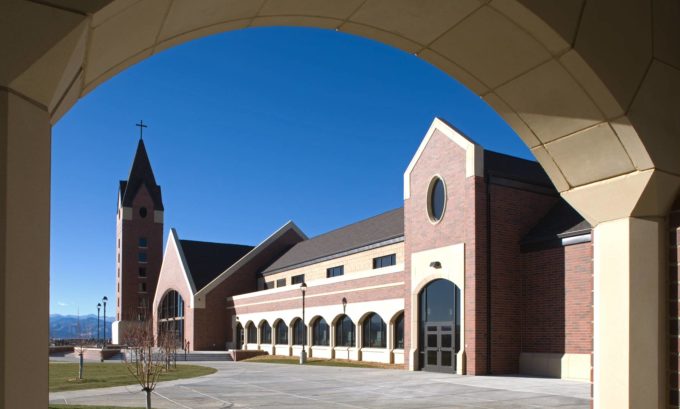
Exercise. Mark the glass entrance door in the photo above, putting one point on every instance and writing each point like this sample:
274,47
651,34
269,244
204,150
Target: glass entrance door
440,355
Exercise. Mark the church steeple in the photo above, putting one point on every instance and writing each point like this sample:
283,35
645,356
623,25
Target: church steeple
141,174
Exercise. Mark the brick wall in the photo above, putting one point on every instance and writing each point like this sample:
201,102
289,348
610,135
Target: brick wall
129,232
513,212
557,291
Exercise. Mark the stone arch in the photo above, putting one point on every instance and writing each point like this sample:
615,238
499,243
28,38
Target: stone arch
592,87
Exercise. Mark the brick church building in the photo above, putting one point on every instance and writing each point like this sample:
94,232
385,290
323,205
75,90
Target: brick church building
484,270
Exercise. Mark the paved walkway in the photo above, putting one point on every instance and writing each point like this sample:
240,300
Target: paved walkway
260,385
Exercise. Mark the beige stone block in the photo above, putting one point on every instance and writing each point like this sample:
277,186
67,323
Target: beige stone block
550,167
48,78
301,21
123,36
188,15
511,117
317,8
385,37
590,155
419,21
533,24
28,31
562,16
615,37
592,84
201,32
648,193
111,10
550,102
491,47
667,31
69,99
89,86
655,114
632,143
454,70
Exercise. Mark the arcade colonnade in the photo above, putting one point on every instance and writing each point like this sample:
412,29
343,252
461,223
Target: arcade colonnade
591,86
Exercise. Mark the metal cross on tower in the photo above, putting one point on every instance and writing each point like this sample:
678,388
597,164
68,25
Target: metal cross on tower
141,128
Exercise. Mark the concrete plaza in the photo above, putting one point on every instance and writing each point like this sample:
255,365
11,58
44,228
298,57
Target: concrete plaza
261,385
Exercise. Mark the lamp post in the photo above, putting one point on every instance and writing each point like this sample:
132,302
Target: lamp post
99,306
104,300
303,354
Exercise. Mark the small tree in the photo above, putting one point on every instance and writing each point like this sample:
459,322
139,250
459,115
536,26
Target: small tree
143,361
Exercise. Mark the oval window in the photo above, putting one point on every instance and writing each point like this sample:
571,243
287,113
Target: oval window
142,212
436,199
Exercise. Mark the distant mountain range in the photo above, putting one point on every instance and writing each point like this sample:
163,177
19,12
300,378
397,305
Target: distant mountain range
66,326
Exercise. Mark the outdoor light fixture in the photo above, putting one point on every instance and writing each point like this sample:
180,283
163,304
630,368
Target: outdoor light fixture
303,354
344,305
104,300
99,306
436,264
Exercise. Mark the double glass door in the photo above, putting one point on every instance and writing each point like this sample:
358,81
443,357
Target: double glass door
440,354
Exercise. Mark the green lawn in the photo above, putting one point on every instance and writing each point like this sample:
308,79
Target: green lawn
63,376
294,360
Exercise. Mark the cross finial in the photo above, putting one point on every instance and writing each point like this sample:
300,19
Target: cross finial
141,128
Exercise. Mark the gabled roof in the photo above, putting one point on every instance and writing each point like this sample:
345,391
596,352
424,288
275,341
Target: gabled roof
560,222
206,260
380,228
140,174
511,167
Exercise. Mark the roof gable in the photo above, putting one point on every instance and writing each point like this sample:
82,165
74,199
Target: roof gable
206,260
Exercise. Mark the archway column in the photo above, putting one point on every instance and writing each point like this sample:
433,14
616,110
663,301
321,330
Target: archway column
25,151
629,337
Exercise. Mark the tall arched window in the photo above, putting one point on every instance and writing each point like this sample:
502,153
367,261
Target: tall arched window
282,333
265,333
171,317
299,332
320,333
252,333
375,332
399,332
344,332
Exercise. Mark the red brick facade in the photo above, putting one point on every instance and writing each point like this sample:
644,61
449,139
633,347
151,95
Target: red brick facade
557,295
131,297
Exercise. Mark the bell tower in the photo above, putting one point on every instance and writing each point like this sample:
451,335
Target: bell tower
139,244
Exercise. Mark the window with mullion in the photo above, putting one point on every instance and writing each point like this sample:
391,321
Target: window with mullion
320,333
335,271
399,332
299,332
282,333
374,332
252,333
344,332
265,333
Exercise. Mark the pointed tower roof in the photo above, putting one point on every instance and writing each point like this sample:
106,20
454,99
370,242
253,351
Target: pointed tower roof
140,174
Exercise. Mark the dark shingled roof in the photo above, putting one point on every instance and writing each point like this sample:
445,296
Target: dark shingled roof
140,174
208,260
561,221
379,228
506,166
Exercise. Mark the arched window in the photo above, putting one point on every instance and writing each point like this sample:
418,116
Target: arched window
265,333
299,332
171,317
320,333
282,333
344,332
375,332
399,332
252,333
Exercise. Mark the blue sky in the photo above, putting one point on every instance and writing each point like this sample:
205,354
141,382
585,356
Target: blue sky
247,130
